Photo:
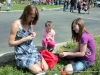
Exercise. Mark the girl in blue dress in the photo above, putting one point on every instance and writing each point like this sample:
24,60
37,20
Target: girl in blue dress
21,37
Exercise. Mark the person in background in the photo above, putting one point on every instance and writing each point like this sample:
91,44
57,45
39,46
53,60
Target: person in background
65,5
0,6
21,37
8,5
88,6
84,6
48,41
79,5
72,2
57,2
83,56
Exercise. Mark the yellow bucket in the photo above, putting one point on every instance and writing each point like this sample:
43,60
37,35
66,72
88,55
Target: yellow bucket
92,5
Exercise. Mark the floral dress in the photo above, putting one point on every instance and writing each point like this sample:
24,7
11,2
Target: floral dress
26,53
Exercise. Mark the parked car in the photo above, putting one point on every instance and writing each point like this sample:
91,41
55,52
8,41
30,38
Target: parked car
97,3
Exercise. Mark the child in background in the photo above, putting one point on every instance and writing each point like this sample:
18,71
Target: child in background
48,41
84,7
83,56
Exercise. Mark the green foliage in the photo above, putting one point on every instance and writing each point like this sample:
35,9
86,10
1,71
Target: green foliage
11,69
2,1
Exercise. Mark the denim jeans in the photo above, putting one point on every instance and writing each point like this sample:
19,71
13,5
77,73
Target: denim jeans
65,7
79,8
57,2
8,5
78,65
71,8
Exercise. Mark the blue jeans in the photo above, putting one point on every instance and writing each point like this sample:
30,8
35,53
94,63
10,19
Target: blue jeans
71,8
78,65
79,8
8,5
65,7
57,2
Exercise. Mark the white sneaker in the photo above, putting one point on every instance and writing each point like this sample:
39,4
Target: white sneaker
42,73
54,50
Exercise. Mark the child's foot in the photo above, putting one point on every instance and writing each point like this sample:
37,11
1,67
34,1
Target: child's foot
50,49
53,50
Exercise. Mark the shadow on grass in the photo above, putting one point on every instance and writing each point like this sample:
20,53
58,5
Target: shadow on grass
62,61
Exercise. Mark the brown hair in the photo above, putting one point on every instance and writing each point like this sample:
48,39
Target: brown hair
29,10
76,36
48,24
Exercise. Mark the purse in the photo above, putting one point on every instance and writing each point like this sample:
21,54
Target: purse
49,57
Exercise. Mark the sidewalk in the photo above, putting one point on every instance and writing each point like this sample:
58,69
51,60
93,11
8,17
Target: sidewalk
11,56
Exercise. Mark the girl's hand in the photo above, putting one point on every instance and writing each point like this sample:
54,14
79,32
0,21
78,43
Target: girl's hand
33,34
50,38
47,38
61,55
28,38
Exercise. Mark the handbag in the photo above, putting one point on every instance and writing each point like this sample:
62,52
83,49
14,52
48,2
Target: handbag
50,58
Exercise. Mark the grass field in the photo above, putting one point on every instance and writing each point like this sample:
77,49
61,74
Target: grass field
21,6
11,69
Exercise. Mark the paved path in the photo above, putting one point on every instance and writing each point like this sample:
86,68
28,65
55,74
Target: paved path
61,22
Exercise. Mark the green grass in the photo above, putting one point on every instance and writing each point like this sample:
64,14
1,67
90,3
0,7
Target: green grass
21,6
11,69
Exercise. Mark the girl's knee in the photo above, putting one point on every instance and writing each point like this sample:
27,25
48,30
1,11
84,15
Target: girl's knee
46,68
69,69
52,44
44,42
44,39
35,69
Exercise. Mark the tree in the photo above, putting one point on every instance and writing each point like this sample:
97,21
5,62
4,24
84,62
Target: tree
1,1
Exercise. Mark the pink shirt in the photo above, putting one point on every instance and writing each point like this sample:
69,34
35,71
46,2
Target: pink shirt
50,34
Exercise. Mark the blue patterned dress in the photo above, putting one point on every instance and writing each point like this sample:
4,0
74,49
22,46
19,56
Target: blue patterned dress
26,53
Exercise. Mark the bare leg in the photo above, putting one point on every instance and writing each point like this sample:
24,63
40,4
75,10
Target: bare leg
44,64
37,68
